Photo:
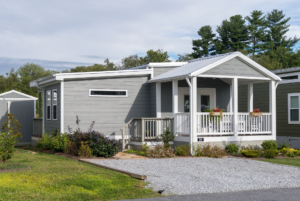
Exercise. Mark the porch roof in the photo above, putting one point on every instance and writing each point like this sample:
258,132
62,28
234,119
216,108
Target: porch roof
198,66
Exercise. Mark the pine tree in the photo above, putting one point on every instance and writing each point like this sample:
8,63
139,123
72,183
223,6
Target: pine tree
203,47
277,28
233,35
257,27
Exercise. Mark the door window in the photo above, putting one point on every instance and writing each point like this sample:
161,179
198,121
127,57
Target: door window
186,103
205,102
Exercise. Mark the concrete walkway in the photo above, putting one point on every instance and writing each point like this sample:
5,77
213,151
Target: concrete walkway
281,194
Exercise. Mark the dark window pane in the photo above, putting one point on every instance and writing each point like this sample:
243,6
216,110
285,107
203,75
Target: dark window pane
108,93
294,114
205,103
48,112
294,77
54,112
186,103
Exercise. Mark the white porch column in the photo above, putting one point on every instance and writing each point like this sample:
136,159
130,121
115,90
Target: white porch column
175,96
250,97
40,105
44,112
158,99
272,107
235,105
194,110
62,106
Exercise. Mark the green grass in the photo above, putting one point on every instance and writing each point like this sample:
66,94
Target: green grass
285,161
53,177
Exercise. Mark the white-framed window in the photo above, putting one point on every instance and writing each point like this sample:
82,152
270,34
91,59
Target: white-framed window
108,92
48,105
289,78
54,104
293,108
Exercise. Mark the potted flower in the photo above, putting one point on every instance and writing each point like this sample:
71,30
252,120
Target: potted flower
215,112
255,113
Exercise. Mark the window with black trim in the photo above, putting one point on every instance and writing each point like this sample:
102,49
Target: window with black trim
293,77
108,92
48,104
54,104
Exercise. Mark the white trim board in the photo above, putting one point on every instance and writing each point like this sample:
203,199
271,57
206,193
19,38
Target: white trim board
17,92
289,81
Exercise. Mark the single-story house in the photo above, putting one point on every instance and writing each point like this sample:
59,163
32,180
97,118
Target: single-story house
287,101
138,104
22,106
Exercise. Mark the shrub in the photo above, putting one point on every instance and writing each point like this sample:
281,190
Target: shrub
283,145
290,152
161,151
297,152
85,150
9,137
209,150
270,153
55,142
183,150
250,153
167,136
232,149
269,144
129,151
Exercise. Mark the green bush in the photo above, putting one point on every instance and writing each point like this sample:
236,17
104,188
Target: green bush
232,149
9,137
269,144
167,136
291,154
85,150
251,153
297,152
183,150
129,151
161,151
284,145
209,150
271,153
53,142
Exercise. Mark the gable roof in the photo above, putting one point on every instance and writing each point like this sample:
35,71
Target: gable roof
15,95
198,66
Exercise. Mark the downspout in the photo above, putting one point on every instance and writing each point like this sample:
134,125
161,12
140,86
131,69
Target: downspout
191,115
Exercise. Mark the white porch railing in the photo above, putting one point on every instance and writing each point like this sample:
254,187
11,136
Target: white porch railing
216,125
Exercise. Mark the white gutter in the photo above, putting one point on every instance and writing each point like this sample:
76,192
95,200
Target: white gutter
191,115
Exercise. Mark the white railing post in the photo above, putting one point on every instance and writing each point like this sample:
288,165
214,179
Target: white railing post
234,85
194,109
272,107
175,102
250,97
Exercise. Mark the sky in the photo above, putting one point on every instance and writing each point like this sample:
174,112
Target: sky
63,34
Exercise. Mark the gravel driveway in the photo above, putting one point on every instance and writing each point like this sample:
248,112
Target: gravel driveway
209,175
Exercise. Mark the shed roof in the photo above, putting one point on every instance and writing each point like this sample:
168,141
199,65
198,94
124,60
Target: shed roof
286,70
198,66
16,95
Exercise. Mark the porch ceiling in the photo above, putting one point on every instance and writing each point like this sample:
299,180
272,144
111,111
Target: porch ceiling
242,81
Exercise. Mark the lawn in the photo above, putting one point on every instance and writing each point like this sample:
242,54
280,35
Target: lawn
285,161
53,177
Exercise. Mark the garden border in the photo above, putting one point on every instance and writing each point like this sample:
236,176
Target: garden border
133,175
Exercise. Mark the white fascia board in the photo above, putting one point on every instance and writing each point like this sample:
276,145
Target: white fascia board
167,64
18,99
240,77
20,93
246,59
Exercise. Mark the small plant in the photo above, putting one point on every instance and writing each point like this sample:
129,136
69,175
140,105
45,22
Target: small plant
167,136
183,150
209,150
251,151
9,137
269,144
232,149
297,152
161,151
129,151
283,145
270,153
55,142
85,150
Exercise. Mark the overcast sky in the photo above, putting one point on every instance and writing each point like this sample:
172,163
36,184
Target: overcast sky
62,34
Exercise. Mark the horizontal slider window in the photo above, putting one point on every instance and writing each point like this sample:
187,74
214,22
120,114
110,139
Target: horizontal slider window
294,77
108,93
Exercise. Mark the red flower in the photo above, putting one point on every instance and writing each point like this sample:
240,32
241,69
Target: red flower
255,110
217,110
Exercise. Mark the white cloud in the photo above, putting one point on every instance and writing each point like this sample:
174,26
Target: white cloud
90,31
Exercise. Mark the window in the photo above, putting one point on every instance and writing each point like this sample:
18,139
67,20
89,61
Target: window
205,102
293,77
54,104
108,93
48,103
293,107
186,103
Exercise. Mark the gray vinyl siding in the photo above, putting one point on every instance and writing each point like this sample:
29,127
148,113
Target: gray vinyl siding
161,70
14,95
166,100
109,113
153,100
52,125
222,90
23,111
234,67
261,101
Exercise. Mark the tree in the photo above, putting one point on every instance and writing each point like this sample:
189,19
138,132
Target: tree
156,56
184,57
277,28
132,61
108,66
233,35
257,26
203,47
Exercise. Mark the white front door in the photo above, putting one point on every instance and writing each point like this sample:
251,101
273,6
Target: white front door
206,98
